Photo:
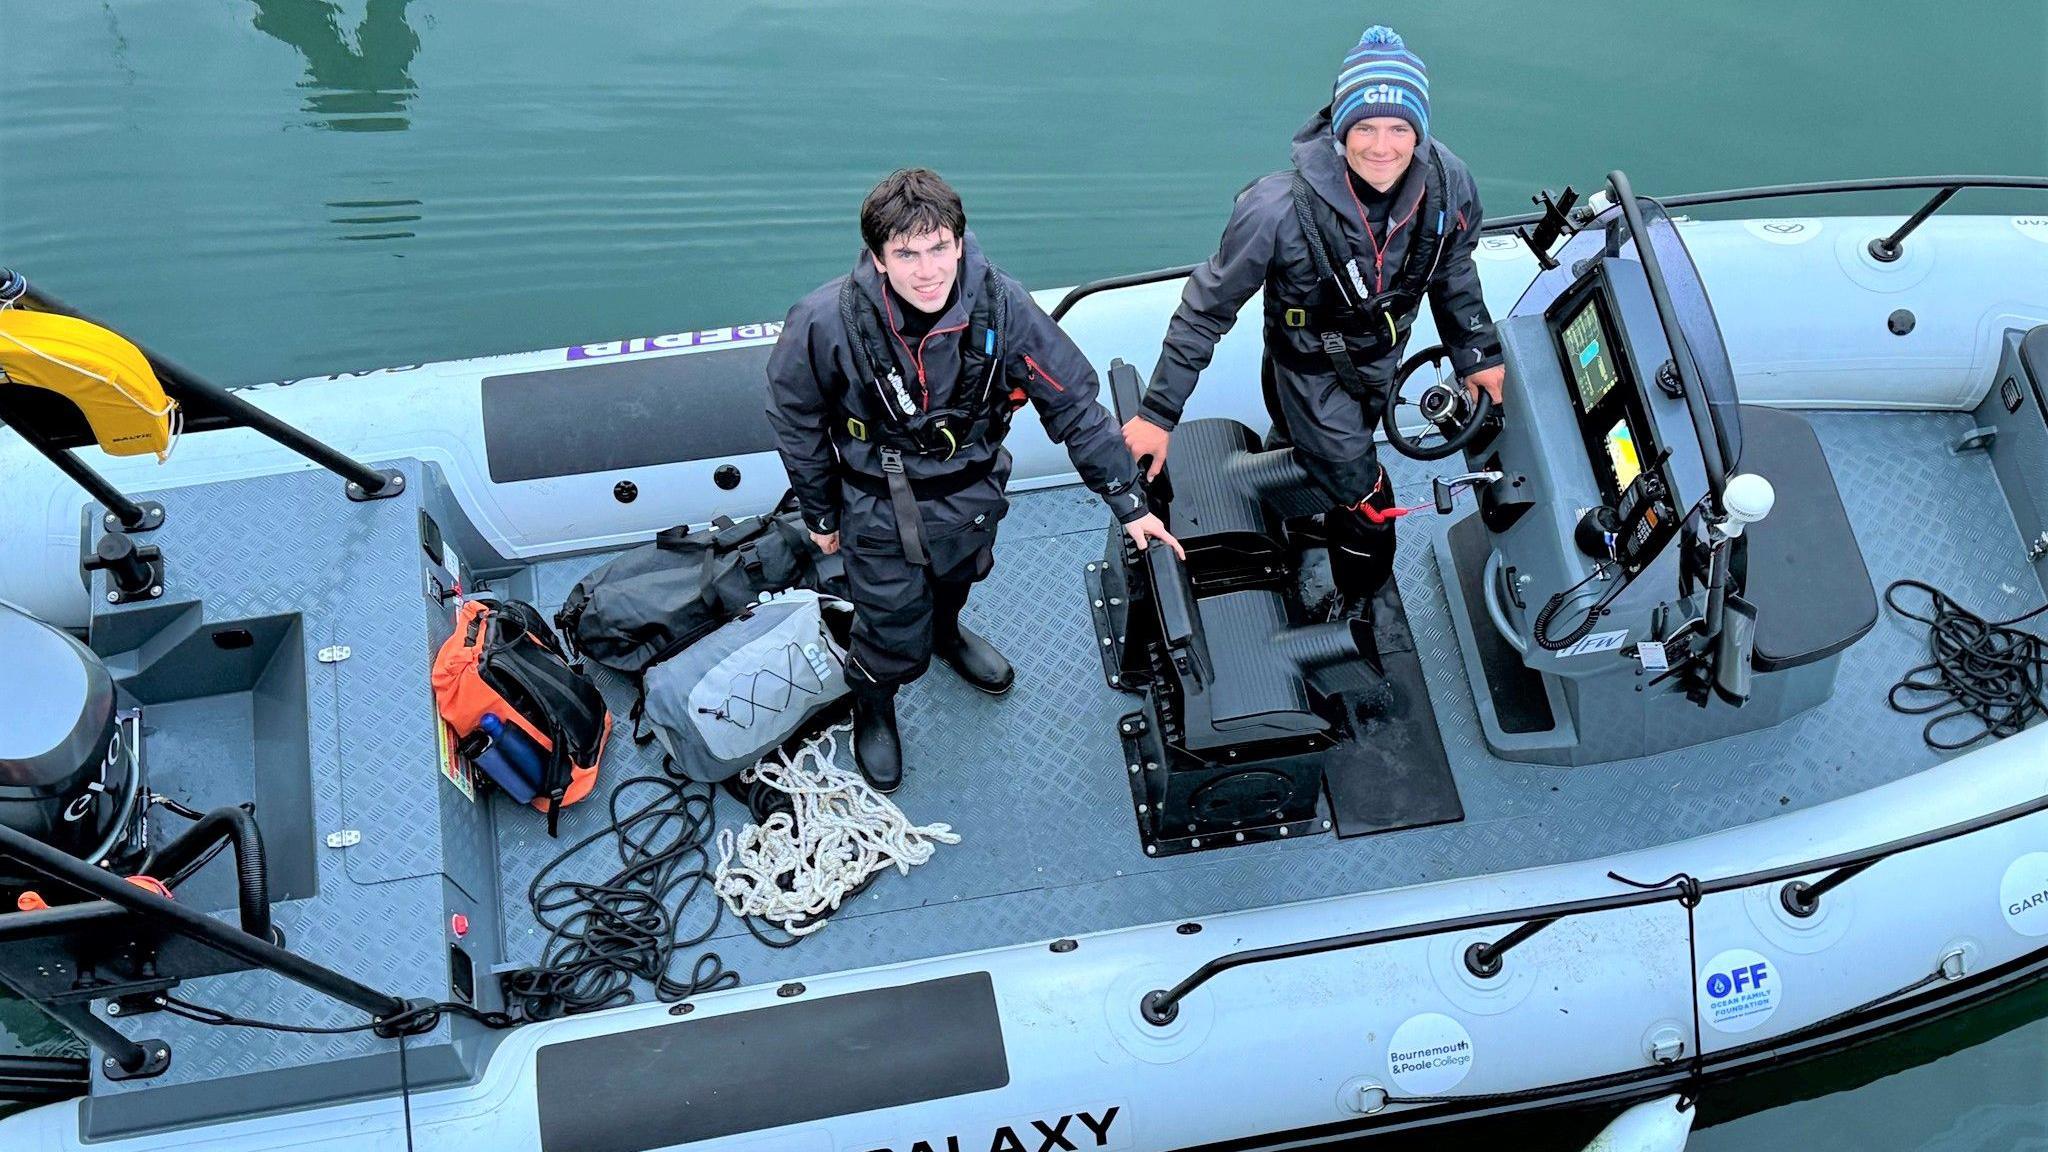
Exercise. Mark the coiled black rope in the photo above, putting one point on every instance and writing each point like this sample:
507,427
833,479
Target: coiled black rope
603,934
1981,670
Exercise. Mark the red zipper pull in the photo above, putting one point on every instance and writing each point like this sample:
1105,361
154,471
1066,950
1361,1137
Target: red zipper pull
1042,374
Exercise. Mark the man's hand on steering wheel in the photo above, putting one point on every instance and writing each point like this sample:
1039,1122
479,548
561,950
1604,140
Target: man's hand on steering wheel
1455,419
1490,379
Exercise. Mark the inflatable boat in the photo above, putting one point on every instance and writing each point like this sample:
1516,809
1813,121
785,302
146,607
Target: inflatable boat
1696,734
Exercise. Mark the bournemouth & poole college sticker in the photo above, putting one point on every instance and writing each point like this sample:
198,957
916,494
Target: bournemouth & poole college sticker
1429,1054
1738,990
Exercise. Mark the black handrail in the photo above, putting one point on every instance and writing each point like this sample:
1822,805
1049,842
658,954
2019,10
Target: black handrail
1160,1006
1690,200
59,919
173,916
364,482
1802,899
1818,188
1483,960
120,1057
1885,249
128,515
42,1079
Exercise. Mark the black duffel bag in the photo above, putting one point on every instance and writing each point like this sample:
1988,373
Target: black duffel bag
655,599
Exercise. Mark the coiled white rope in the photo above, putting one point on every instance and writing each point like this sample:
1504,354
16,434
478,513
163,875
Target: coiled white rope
796,870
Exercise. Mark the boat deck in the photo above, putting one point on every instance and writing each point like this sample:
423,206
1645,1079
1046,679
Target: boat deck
1034,783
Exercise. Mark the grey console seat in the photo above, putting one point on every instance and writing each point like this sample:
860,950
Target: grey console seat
1806,574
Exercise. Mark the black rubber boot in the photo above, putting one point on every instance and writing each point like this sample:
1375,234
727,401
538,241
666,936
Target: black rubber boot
876,746
975,659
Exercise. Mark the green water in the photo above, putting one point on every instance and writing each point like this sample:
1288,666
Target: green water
273,188
268,188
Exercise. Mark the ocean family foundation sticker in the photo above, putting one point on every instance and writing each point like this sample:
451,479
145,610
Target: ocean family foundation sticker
1429,1054
1738,990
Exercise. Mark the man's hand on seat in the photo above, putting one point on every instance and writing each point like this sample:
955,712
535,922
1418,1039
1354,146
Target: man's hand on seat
1149,525
1490,379
1146,439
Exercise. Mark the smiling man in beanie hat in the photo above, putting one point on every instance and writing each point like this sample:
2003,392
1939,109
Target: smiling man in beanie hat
1398,216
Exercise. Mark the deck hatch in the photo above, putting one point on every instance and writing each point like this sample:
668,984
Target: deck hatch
700,1079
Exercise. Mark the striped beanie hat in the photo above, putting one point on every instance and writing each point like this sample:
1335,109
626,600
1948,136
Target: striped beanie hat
1380,78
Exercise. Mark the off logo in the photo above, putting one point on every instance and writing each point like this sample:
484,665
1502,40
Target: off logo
1720,984
1738,990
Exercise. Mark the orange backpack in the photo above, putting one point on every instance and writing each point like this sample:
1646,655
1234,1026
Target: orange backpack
504,661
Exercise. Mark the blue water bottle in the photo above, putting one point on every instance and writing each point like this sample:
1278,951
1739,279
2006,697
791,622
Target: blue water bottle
513,759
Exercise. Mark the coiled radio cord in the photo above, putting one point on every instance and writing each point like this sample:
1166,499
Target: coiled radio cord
1548,614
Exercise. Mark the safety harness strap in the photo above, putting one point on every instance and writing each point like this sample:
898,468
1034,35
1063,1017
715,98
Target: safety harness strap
909,526
903,426
980,411
1344,304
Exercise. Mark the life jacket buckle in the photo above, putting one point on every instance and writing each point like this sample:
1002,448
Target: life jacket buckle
1333,343
856,428
892,460
1296,318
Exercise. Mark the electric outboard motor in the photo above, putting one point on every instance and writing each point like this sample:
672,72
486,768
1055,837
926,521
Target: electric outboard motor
70,756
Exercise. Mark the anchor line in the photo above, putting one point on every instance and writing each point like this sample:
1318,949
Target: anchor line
1689,896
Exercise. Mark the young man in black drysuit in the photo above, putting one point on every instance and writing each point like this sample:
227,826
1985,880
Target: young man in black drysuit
1398,215
890,391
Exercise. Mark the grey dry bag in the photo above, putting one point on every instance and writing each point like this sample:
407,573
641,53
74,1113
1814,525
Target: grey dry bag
725,701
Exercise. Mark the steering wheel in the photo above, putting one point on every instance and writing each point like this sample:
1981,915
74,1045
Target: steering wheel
1454,419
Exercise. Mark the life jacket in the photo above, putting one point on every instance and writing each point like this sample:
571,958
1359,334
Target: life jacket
1352,322
106,377
981,409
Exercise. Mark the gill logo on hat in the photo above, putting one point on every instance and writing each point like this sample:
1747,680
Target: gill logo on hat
1380,94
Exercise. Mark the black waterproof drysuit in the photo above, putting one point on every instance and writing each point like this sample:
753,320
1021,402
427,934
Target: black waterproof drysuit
831,429
1264,246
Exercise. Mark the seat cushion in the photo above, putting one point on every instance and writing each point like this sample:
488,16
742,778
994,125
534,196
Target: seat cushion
2034,356
1805,574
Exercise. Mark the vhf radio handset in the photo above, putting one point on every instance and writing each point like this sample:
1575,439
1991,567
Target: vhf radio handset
1623,533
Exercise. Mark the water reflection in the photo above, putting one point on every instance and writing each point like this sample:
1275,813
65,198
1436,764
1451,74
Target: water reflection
359,88
386,219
